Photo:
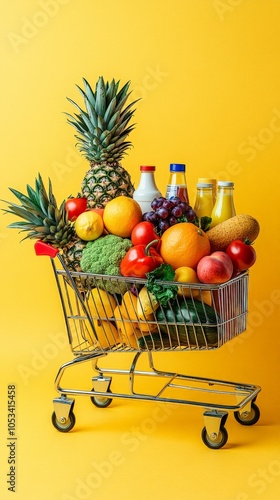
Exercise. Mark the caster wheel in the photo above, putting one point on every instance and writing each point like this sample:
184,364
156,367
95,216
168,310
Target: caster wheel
64,426
215,442
248,418
101,401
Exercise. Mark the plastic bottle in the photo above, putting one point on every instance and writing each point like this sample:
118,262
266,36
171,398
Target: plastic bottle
147,189
204,199
224,205
177,184
213,182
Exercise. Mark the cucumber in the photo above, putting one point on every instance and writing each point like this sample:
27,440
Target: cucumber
189,322
155,341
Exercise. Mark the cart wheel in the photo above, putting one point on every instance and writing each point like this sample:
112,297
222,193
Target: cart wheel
101,401
64,426
248,418
216,441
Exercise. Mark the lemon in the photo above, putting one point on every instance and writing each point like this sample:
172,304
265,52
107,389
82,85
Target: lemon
206,297
106,332
89,225
101,304
187,275
125,327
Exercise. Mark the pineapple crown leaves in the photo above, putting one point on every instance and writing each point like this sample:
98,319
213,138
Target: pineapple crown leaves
104,125
43,219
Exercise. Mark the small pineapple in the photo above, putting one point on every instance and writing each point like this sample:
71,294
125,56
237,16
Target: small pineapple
73,253
102,131
44,220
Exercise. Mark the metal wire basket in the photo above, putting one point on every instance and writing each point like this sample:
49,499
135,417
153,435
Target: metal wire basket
103,315
98,318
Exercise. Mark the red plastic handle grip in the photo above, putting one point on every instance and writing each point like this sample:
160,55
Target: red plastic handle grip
42,248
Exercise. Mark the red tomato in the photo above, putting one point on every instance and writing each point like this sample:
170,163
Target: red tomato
143,233
242,254
75,207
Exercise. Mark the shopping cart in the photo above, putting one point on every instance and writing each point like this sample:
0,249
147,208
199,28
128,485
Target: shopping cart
102,318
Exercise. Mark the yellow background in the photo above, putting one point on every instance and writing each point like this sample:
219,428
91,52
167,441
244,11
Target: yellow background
208,75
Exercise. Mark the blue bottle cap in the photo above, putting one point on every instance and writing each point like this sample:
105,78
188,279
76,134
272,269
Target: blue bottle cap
177,167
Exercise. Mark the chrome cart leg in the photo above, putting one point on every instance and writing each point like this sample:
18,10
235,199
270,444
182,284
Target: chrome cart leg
63,418
248,415
101,384
214,434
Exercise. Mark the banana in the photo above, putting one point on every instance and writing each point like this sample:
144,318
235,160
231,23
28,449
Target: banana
146,303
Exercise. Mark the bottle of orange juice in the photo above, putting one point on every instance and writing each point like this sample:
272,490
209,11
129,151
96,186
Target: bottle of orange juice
224,205
213,182
204,199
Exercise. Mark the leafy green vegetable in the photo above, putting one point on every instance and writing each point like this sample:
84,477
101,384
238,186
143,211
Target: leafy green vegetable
103,256
204,222
162,291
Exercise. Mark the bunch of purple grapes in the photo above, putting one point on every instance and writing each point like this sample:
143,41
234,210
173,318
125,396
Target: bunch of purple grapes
167,212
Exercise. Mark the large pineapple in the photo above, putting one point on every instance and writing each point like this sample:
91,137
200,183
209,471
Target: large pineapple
44,220
102,130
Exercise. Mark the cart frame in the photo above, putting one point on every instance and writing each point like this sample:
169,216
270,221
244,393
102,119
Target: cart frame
240,397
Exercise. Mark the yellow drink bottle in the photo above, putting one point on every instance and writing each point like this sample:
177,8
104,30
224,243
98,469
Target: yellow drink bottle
213,182
224,206
204,200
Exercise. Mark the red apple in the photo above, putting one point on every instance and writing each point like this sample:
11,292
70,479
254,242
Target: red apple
215,268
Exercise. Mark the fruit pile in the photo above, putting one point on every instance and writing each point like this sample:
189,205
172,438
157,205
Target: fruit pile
102,229
211,257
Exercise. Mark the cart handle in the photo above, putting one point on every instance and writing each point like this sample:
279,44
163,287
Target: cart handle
42,248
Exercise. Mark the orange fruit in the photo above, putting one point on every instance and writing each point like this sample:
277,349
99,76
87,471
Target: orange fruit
184,244
121,215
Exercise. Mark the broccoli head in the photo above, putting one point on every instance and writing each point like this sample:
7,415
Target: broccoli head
103,256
